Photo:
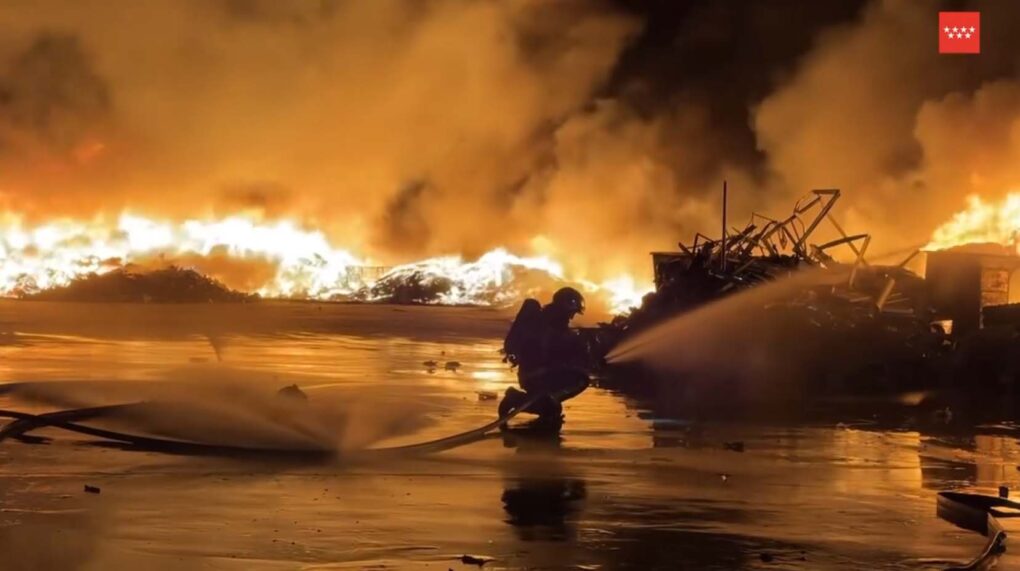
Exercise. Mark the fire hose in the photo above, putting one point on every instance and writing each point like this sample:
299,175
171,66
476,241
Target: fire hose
978,513
70,420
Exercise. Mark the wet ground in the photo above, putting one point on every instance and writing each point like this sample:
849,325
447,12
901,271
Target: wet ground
621,487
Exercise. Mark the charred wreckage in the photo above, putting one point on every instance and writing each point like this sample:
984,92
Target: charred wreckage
794,316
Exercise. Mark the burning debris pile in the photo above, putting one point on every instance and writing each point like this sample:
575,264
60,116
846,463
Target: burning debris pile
766,250
274,260
291,261
843,322
497,278
168,285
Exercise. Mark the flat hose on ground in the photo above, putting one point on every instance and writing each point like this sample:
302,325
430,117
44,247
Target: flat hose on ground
69,420
978,513
25,422
64,420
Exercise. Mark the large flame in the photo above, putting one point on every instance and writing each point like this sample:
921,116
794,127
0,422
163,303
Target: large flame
307,265
53,254
981,222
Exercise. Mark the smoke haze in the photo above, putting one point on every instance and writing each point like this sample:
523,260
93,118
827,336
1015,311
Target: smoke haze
591,130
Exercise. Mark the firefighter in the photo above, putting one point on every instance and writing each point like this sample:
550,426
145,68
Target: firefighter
550,358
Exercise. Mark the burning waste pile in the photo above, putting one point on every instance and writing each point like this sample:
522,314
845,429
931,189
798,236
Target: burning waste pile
288,261
238,259
766,307
497,278
769,311
171,284
766,250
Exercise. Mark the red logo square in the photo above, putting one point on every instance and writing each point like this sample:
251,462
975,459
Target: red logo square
959,32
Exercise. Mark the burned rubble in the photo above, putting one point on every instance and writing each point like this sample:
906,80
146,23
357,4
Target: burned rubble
825,325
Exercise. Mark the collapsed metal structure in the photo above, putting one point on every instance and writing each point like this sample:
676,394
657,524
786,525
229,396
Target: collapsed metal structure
853,323
767,249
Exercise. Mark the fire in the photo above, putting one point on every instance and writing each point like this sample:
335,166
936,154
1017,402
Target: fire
981,222
496,278
623,293
53,254
307,265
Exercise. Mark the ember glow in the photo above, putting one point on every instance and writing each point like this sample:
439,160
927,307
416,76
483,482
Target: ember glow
306,264
982,222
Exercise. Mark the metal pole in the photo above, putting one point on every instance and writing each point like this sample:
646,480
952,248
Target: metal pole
722,253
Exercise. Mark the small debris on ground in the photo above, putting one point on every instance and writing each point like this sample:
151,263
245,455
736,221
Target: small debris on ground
91,489
766,557
292,392
736,445
724,477
478,560
452,365
487,395
1003,491
430,364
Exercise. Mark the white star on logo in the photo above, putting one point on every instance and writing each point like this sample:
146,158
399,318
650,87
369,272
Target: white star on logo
946,29
967,36
958,36
972,29
955,29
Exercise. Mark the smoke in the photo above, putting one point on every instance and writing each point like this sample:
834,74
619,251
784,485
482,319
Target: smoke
50,96
591,130
874,109
402,128
609,192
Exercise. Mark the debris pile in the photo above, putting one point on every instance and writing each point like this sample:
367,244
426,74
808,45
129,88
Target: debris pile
767,249
476,283
168,285
853,320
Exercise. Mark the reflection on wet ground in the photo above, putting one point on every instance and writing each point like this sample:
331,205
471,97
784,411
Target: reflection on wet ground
623,487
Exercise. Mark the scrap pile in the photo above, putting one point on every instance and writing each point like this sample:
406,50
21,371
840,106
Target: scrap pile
767,249
845,320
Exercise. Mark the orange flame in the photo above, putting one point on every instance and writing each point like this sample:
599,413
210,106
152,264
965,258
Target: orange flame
981,222
306,264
